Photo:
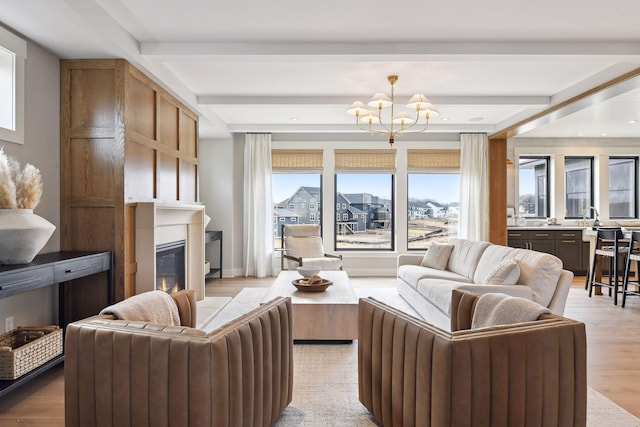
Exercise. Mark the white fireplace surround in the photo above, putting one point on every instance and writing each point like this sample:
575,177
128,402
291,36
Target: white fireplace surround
158,223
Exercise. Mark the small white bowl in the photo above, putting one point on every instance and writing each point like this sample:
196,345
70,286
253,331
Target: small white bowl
308,271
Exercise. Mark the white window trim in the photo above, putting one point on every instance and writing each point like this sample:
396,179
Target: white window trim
18,47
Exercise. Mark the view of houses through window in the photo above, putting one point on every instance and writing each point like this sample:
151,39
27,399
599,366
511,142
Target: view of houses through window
364,211
533,181
433,208
297,200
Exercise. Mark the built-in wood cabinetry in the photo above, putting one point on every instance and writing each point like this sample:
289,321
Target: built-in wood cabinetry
123,139
566,244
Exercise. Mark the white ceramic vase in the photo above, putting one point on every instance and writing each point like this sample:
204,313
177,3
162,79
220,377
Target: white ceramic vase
22,235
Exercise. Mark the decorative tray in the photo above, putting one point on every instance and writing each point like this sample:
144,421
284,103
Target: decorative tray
304,286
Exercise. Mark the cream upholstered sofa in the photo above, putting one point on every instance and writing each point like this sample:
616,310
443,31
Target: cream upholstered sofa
481,267
135,373
411,373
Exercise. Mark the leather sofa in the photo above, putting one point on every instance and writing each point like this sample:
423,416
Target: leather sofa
428,290
133,373
411,373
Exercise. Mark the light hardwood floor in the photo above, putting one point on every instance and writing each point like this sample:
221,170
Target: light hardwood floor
613,340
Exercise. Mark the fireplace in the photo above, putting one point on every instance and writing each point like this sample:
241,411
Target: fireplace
159,224
170,266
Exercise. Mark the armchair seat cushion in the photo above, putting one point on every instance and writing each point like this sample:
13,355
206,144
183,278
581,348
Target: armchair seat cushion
324,263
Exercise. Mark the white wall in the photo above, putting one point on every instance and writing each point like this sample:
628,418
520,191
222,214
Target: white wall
42,149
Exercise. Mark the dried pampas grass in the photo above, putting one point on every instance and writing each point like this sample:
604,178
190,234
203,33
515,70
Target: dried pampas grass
19,189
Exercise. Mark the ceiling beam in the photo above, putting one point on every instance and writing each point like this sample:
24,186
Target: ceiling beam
347,100
406,51
600,93
347,129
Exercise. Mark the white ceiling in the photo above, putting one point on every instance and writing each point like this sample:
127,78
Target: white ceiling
291,66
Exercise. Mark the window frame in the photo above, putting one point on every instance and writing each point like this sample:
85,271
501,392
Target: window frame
547,160
430,171
591,186
635,185
18,48
392,228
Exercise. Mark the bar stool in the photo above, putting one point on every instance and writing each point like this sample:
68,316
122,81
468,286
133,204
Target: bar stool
634,255
609,247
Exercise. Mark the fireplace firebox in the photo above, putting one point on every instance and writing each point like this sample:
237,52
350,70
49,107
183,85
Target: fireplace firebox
170,266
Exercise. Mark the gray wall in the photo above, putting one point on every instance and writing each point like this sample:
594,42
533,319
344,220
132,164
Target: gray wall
42,149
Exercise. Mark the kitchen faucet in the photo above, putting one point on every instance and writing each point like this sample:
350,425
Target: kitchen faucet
596,223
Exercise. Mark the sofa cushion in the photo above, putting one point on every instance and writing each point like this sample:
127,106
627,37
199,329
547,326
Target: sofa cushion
437,256
465,256
506,272
438,292
411,274
539,271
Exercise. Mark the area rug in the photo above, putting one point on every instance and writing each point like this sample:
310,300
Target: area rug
325,392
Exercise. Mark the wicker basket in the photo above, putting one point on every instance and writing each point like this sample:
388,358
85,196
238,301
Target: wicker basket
25,348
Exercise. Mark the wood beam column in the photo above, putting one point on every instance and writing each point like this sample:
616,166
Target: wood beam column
498,191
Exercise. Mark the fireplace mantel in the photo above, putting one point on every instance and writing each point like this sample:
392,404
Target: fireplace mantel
158,223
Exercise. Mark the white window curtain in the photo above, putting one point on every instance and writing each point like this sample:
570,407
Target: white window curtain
258,206
474,186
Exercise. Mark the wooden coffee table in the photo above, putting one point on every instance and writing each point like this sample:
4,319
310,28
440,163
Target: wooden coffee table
329,315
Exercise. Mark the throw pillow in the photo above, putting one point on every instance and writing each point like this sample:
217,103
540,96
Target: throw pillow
437,256
505,272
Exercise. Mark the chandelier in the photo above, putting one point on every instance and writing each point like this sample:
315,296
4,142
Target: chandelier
398,124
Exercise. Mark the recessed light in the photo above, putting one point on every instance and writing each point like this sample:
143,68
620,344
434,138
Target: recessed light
581,134
445,119
632,122
604,134
295,119
476,119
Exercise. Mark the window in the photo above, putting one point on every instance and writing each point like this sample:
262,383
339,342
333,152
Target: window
13,53
533,180
345,217
579,186
371,193
337,206
433,208
290,193
623,176
344,206
312,206
338,217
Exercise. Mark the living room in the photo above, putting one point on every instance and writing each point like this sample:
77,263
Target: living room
221,153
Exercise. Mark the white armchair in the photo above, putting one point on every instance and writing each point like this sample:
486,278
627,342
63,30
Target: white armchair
302,245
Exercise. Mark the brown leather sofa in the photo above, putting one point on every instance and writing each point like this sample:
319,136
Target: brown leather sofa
413,374
126,373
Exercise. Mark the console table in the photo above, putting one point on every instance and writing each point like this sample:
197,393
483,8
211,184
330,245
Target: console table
49,270
210,237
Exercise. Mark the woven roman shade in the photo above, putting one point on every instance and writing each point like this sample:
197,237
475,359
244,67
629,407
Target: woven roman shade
293,160
419,160
365,160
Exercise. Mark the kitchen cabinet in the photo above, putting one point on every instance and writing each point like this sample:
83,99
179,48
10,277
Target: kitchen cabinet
566,244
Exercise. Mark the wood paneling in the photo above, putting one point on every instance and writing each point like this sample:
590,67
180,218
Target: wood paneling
498,191
140,175
92,168
123,138
188,134
169,117
92,92
167,177
141,108
188,173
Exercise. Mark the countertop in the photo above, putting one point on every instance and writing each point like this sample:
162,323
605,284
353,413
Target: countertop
546,227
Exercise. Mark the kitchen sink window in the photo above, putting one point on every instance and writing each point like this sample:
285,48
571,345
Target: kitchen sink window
579,186
623,194
533,179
